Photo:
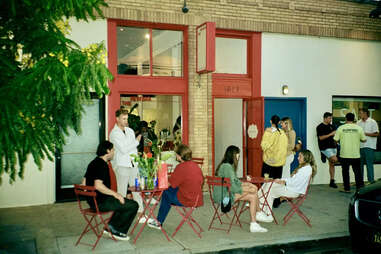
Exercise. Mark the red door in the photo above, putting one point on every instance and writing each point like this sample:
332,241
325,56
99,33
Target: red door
253,133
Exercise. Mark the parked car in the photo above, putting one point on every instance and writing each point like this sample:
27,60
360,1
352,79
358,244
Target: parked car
365,219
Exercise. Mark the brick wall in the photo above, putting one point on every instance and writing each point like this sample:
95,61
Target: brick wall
332,18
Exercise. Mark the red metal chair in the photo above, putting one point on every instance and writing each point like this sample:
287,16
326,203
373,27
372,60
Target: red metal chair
186,214
213,181
95,220
199,161
295,204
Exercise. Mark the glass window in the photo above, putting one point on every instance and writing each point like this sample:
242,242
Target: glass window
231,55
133,50
158,119
341,105
167,48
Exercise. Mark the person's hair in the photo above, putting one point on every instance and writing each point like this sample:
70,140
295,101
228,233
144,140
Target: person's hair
103,147
184,152
308,158
365,110
327,114
350,117
121,112
288,122
275,120
230,157
143,124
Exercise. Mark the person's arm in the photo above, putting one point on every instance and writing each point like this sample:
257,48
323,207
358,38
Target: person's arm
322,137
176,178
298,179
124,147
362,135
337,135
99,186
291,140
375,132
267,140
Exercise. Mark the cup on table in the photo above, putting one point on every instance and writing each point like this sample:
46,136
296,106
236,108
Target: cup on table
266,176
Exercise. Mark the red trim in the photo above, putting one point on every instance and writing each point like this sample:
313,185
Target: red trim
210,54
247,87
132,84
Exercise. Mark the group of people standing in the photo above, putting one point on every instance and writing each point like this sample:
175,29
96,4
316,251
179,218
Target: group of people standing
357,145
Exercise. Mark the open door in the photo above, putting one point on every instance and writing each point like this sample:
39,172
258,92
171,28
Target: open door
254,132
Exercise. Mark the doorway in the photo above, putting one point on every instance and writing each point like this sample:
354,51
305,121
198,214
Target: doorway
294,108
228,129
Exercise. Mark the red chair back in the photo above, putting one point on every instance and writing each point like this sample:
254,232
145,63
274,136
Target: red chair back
113,181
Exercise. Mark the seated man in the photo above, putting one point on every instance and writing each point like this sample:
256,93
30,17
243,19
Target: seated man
186,182
98,175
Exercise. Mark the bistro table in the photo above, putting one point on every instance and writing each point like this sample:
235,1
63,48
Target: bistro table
157,192
259,181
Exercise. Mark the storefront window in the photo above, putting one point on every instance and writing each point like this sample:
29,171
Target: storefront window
231,55
167,48
157,118
341,105
134,52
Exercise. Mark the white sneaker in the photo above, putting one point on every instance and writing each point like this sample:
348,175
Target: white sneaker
153,201
262,217
247,204
255,227
143,219
154,224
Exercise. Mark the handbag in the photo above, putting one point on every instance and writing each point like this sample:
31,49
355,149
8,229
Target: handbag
225,208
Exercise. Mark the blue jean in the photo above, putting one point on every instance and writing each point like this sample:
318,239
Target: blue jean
168,198
367,157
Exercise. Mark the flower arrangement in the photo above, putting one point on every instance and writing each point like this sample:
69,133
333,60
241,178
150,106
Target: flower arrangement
147,165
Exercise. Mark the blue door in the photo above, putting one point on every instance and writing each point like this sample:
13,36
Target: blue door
295,108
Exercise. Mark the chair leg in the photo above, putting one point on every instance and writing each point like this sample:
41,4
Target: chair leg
187,217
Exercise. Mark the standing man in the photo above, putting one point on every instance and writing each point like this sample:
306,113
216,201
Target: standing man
350,135
125,144
367,148
97,175
325,132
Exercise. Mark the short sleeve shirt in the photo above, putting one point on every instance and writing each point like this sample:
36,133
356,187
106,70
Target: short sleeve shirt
98,170
324,129
369,126
349,135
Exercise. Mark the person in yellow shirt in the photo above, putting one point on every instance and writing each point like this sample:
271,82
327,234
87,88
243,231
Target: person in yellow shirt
274,146
350,135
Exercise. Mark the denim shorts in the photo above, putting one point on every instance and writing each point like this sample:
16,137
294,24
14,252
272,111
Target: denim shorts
329,152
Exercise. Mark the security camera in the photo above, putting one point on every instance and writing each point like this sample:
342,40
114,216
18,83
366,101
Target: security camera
185,9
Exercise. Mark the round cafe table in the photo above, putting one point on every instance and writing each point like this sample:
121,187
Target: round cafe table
148,210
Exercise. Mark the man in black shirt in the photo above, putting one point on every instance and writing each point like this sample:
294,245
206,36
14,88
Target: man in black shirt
325,132
98,175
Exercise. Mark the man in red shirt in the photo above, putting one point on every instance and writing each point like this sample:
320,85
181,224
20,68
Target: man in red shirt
185,186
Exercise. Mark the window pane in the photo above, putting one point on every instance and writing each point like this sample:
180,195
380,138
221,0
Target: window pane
133,50
167,49
162,117
231,55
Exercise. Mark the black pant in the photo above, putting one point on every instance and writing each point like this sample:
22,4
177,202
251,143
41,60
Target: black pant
355,163
274,172
124,214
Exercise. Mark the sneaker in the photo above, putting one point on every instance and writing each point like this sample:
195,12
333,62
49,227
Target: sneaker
117,235
143,219
262,217
255,227
247,204
154,224
332,184
276,203
345,191
153,201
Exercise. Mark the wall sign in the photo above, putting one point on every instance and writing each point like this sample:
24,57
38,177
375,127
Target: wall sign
206,47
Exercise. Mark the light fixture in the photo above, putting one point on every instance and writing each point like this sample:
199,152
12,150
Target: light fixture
185,9
285,89
147,36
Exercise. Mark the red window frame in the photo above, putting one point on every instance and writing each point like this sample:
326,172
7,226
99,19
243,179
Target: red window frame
133,84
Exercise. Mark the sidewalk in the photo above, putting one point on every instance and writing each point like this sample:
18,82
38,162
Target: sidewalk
55,228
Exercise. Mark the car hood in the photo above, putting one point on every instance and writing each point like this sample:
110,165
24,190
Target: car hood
370,192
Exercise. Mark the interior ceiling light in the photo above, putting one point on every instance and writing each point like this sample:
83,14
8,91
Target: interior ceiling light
185,9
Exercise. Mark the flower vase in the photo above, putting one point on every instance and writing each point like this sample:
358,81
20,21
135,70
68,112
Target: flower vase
150,183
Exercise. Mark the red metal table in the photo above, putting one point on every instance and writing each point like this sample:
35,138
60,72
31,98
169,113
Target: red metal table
259,181
157,192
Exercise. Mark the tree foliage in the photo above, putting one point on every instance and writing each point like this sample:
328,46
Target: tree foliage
45,78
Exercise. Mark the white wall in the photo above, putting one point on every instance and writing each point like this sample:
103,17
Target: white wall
318,68
227,129
38,187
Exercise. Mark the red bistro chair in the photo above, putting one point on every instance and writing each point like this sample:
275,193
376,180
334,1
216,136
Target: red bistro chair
95,220
295,204
199,161
217,181
186,214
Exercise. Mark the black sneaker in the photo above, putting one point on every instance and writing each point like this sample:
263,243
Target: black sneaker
332,184
276,203
117,235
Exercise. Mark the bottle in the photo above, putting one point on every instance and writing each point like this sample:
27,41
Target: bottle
225,201
136,183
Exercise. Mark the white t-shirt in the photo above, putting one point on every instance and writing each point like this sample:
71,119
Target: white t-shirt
299,182
369,126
